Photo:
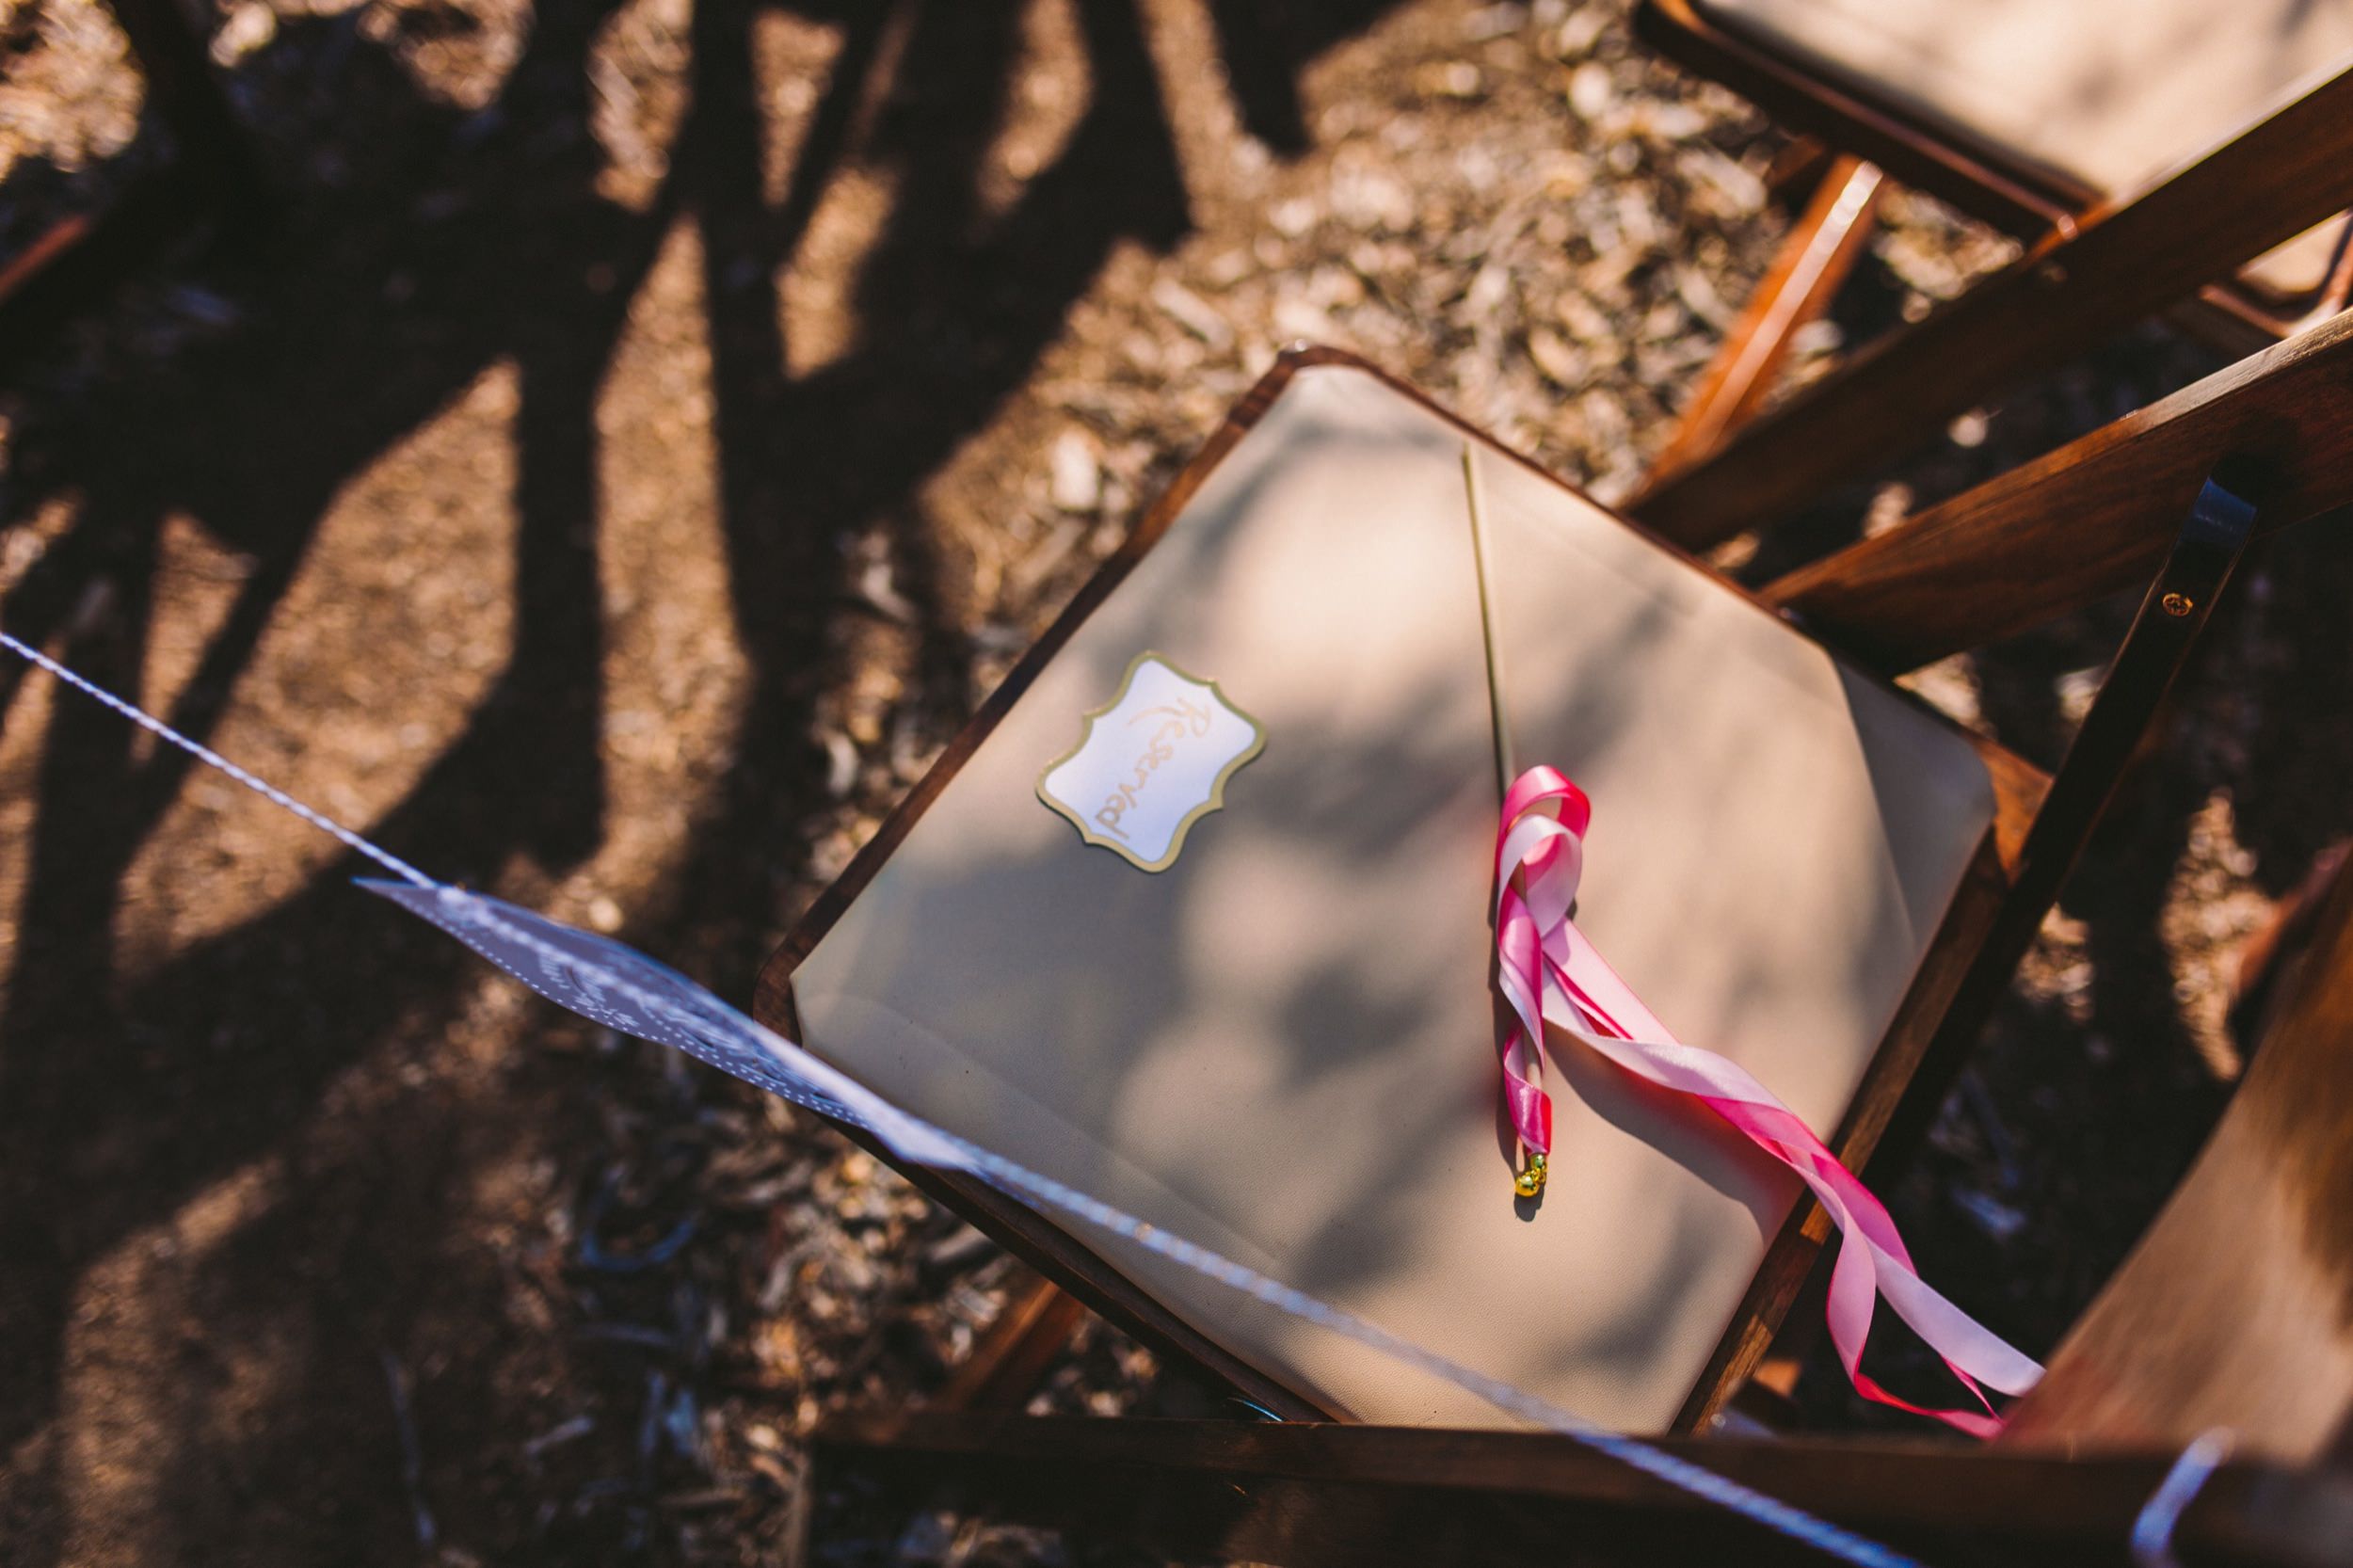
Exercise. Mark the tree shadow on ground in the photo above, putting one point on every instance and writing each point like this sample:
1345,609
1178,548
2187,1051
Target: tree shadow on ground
422,243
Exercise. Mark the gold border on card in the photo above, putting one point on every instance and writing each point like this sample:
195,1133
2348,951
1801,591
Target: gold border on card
1217,787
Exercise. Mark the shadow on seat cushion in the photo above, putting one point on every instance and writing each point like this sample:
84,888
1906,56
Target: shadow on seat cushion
1283,1046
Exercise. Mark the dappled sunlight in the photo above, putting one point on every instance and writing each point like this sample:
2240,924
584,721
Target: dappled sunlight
796,58
816,293
119,1321
458,52
65,97
651,429
2211,908
675,676
1049,87
637,66
385,656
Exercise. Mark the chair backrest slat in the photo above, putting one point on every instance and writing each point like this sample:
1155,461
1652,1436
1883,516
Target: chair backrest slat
2094,516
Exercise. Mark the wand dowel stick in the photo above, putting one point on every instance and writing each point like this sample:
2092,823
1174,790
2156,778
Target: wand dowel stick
1505,771
1529,1182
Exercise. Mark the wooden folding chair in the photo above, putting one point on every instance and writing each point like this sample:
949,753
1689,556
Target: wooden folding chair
1326,445
2232,1317
2146,154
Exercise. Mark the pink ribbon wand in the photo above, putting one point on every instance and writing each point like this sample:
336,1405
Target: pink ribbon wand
1551,975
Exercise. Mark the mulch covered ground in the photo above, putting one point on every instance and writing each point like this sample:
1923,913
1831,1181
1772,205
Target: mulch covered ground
645,433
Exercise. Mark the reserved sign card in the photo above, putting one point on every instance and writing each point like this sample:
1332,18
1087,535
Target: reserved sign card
1151,762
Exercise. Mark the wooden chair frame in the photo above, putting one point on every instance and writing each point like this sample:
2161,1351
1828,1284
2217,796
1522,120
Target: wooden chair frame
2093,266
2080,524
1367,1496
2170,1349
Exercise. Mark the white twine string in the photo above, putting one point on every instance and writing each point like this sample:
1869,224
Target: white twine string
212,759
672,1010
2161,1516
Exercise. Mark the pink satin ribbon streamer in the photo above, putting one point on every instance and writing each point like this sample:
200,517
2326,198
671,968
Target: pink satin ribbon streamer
1550,975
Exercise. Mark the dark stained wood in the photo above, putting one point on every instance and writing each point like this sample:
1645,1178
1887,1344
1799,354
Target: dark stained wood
2091,518
1034,1327
2337,293
1813,261
2239,313
2236,312
1307,1496
1991,923
2237,1308
2207,549
2120,262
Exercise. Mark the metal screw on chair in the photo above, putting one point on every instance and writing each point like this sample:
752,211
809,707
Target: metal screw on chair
2178,604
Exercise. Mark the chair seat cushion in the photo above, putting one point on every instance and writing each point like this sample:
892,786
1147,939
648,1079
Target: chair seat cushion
2108,95
1283,1046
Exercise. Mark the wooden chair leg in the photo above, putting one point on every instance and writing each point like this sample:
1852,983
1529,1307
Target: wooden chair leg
1814,262
1003,1368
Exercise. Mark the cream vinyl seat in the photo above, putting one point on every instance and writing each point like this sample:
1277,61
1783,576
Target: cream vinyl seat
2108,95
1283,1046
